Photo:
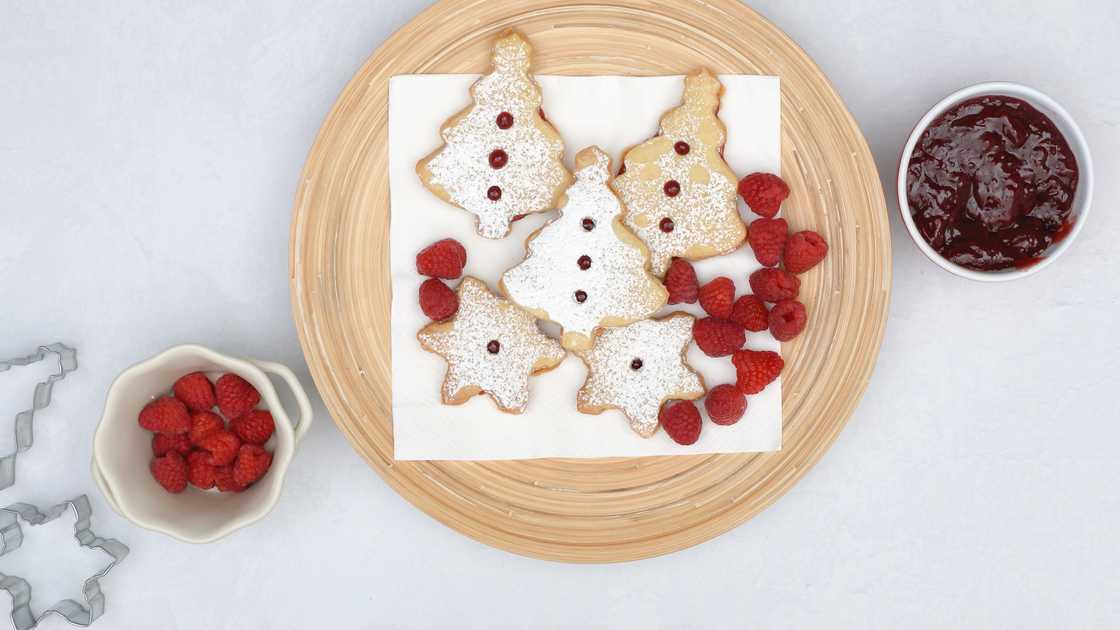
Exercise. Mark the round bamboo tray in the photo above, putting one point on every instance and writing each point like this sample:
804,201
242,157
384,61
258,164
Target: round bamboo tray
598,510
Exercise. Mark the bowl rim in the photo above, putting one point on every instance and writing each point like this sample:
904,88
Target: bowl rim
1078,145
242,367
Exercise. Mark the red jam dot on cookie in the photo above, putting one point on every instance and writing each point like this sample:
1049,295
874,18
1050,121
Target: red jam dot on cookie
636,364
505,120
498,158
666,225
584,262
494,193
682,148
588,224
493,347
581,296
672,188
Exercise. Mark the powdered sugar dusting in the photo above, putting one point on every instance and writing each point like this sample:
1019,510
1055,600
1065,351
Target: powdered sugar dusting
466,342
612,381
706,221
534,175
607,262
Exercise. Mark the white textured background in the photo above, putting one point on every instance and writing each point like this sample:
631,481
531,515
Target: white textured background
149,153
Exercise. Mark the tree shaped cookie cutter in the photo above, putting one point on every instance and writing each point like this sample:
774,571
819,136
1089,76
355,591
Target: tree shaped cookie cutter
25,434
11,536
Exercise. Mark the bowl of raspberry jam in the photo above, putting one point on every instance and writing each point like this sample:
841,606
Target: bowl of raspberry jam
995,182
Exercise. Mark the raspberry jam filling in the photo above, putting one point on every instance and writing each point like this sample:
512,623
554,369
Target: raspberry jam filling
505,120
672,188
681,147
991,184
666,225
588,224
584,262
494,193
498,158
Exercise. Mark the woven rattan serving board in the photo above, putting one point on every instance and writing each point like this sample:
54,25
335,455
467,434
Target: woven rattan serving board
601,510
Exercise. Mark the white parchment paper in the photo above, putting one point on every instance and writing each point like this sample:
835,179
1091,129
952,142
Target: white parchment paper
613,113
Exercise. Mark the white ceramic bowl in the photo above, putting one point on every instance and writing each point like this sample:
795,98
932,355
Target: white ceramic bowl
1065,124
122,449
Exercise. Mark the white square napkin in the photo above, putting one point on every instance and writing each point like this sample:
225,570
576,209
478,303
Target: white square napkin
614,113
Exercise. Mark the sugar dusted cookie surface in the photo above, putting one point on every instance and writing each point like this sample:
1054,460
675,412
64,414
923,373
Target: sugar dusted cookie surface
500,157
491,346
679,192
585,268
638,367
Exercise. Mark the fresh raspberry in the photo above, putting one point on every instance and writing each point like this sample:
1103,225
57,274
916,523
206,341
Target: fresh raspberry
235,396
196,392
223,479
165,415
756,369
680,281
787,319
222,447
681,420
199,472
775,285
252,463
764,193
204,423
170,471
718,337
437,300
768,240
717,297
804,250
254,427
442,259
725,404
750,313
163,444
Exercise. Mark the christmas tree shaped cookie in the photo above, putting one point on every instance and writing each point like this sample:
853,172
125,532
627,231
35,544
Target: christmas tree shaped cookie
500,157
585,268
636,368
678,190
491,347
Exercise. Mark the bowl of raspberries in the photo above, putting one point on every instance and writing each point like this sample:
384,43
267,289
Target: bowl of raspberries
195,444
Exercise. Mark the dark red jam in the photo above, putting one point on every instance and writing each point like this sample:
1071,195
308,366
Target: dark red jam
666,225
504,120
672,188
588,224
498,158
991,184
584,262
493,347
493,193
636,364
681,147
581,296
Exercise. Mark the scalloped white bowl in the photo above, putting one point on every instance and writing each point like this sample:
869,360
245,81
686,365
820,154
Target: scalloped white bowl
122,449
1081,200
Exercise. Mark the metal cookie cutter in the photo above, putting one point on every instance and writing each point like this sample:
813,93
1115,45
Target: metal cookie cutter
11,536
67,363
